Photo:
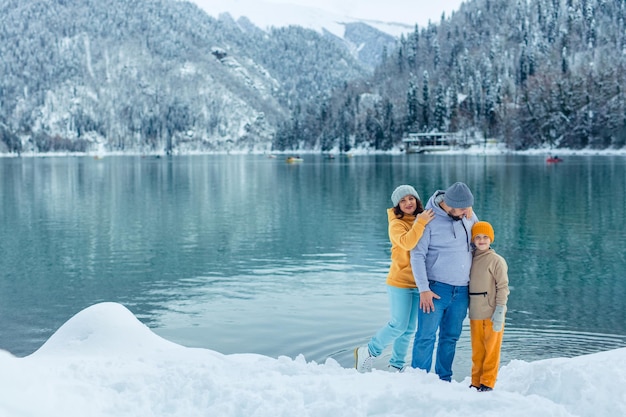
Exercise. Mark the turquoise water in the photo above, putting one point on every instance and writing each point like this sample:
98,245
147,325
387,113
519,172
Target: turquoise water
250,254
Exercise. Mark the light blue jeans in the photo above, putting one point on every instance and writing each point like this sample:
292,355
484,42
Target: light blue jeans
450,311
404,304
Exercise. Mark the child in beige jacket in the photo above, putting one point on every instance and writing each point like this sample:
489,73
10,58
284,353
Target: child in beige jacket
489,291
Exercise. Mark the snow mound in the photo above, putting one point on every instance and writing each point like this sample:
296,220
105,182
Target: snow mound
105,328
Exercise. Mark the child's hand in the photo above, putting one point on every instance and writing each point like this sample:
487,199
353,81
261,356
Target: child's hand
498,318
425,216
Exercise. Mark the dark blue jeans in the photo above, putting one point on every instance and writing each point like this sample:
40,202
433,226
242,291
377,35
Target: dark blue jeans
450,311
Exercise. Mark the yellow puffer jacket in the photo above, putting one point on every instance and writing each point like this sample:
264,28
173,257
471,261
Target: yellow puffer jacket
404,234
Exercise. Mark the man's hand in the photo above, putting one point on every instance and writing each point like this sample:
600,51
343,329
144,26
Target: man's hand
426,301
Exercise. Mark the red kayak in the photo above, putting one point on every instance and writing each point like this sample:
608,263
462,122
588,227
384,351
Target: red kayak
552,160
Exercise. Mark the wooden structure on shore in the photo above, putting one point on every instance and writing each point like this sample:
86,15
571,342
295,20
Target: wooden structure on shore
429,142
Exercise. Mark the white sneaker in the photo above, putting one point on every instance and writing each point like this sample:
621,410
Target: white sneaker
363,359
391,368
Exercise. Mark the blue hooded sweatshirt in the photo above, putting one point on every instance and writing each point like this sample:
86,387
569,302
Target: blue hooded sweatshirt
444,253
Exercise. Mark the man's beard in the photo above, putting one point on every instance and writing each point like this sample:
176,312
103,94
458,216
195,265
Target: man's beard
455,218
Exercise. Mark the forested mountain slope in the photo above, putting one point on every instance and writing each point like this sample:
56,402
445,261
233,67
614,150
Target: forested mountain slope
156,75
528,73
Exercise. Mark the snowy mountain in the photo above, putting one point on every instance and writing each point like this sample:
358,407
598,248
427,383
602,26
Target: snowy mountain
536,73
366,39
329,17
164,76
158,76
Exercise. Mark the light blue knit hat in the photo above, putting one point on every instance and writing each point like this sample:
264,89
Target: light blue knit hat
401,191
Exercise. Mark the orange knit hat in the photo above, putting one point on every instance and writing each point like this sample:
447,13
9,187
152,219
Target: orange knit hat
482,228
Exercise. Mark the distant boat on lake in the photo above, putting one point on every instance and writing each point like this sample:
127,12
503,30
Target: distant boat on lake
294,160
553,159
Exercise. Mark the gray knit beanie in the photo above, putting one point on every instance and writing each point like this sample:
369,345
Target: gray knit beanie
458,195
401,191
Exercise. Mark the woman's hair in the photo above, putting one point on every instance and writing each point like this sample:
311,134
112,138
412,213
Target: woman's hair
418,209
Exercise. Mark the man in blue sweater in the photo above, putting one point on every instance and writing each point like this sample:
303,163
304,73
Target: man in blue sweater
441,264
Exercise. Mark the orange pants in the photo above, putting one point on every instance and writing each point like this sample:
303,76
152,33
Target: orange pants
486,346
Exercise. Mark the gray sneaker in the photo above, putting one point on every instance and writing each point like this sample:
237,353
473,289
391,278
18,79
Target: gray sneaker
363,359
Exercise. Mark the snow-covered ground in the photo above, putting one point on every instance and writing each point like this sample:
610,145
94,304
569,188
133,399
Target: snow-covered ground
104,362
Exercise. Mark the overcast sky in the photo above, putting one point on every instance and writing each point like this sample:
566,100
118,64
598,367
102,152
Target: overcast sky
401,11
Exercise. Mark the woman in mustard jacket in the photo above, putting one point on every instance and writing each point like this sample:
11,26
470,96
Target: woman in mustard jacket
407,221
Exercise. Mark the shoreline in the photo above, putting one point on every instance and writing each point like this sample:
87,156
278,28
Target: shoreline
474,150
